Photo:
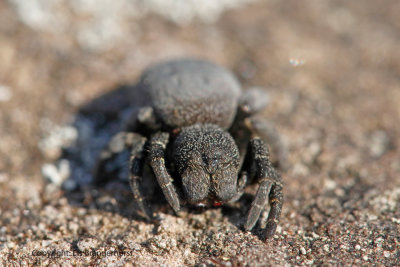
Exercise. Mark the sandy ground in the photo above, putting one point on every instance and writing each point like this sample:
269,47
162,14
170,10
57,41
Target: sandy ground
331,70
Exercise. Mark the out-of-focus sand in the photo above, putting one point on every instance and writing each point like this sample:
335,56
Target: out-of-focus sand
332,71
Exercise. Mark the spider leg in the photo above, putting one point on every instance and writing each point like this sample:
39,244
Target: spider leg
276,202
267,132
118,143
247,124
136,163
270,188
158,145
242,181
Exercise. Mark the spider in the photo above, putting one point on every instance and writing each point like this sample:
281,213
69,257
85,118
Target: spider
193,123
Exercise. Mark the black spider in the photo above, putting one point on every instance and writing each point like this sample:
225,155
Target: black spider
193,120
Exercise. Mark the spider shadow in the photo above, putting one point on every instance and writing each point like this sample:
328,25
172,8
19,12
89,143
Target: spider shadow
95,123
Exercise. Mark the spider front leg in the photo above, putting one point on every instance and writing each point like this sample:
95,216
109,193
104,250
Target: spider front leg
158,144
241,184
136,163
118,143
267,132
248,124
270,188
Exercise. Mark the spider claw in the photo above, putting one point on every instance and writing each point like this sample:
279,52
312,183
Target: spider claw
178,213
146,216
258,204
172,198
251,219
270,229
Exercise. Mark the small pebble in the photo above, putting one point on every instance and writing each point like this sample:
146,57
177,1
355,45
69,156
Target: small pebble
87,244
314,235
58,137
379,144
50,173
395,220
56,174
329,184
5,93
73,227
46,243
3,177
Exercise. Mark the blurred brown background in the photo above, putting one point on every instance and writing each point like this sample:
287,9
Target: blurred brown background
332,70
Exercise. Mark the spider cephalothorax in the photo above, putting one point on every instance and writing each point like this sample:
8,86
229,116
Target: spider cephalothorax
192,116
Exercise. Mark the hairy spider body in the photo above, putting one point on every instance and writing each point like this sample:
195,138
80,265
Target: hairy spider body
187,92
192,115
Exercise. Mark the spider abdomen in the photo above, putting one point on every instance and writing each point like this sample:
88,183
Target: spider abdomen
186,92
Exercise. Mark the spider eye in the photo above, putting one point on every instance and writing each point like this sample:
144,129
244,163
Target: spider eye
214,162
211,162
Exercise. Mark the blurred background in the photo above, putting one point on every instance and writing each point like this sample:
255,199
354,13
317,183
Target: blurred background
332,73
